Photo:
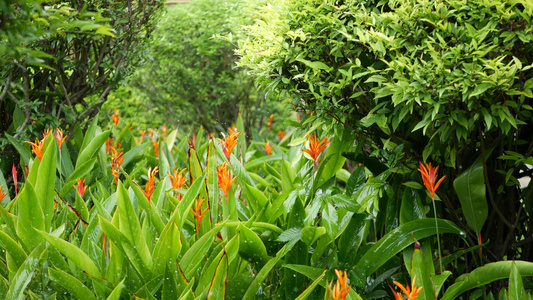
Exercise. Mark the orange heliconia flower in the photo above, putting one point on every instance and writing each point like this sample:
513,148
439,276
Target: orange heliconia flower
281,134
229,142
316,147
37,148
15,179
108,145
150,184
270,122
46,133
2,194
115,116
340,290
429,175
411,292
164,128
197,211
155,144
232,130
268,148
224,178
178,180
116,162
59,137
142,132
150,133
81,187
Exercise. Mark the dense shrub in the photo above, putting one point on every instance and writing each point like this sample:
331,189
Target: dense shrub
55,55
190,77
446,81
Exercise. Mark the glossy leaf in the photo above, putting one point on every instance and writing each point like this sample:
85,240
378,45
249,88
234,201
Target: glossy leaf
470,188
92,147
486,274
26,271
74,253
395,241
70,283
217,290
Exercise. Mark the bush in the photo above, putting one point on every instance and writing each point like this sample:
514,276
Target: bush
446,81
190,76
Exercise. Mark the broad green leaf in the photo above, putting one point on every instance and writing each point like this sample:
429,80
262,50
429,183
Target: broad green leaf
167,248
25,154
486,274
73,253
13,249
90,133
420,269
397,240
132,153
124,244
311,287
516,286
70,283
79,173
217,290
188,199
262,275
252,247
30,216
470,188
195,255
115,294
311,233
45,184
26,271
130,227
91,149
255,197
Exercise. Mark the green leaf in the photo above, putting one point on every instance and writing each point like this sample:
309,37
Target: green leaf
91,149
26,271
167,248
480,89
14,250
45,184
217,290
124,244
311,233
73,253
115,294
470,188
30,216
255,197
397,240
311,287
196,253
130,227
132,153
516,286
262,275
484,275
25,154
251,246
79,173
70,283
420,269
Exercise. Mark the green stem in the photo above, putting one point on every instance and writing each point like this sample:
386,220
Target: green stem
438,237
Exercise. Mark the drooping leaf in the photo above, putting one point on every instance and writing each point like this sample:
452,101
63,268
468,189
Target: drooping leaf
470,188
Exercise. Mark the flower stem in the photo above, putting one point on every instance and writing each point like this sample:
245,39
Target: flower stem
438,237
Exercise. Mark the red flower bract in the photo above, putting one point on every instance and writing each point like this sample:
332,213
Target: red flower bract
429,175
316,147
